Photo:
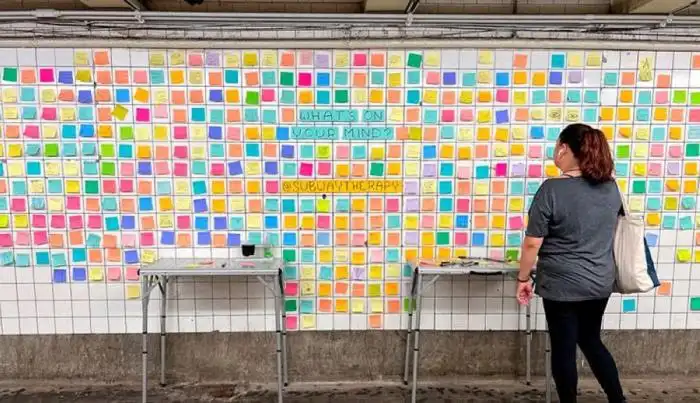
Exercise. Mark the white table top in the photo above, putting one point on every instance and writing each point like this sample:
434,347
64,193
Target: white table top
482,268
218,267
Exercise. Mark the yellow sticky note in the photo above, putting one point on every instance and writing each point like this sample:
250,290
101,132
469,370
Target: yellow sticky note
465,134
232,59
395,60
342,59
520,97
14,150
81,58
325,256
554,114
594,59
96,274
445,221
432,59
636,204
537,113
183,204
50,131
308,321
519,133
484,116
15,168
254,221
639,169
307,273
36,186
641,150
500,150
484,77
177,58
250,59
71,168
466,97
9,95
481,188
83,76
72,186
358,258
143,133
119,112
148,256
55,204
133,291
376,305
236,204
411,168
551,170
269,58
646,72
396,115
683,255
67,114
253,168
196,77
307,288
395,79
21,221
10,113
157,59
165,221
160,97
575,59
52,169
358,305
198,152
573,115
429,186
515,204
485,57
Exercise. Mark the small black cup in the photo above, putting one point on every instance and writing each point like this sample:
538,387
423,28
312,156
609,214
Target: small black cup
248,250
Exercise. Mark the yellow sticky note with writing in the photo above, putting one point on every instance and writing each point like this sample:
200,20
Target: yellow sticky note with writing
646,72
157,59
55,204
429,186
481,188
232,59
48,95
177,58
165,221
486,57
52,169
9,95
396,115
594,59
36,186
269,58
253,168
148,256
67,114
342,59
183,204
50,131
160,97
395,60
10,113
81,58
96,274
484,77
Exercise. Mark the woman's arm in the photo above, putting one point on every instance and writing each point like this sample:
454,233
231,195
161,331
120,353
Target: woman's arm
528,255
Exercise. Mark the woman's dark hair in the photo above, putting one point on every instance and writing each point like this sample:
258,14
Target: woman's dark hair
591,149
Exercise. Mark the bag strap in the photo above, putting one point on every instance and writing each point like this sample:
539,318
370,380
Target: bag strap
625,208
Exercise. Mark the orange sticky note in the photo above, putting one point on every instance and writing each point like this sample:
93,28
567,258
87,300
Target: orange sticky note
520,61
101,58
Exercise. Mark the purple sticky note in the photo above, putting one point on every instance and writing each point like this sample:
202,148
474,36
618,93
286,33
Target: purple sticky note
46,75
322,60
410,187
411,205
213,59
501,169
306,169
357,273
517,169
430,170
673,168
411,238
575,77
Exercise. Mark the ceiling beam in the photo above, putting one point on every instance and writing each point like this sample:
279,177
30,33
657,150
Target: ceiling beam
135,5
386,6
650,6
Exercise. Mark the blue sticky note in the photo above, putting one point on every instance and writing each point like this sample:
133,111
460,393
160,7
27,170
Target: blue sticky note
122,95
69,132
271,168
447,169
201,223
502,79
131,256
429,151
323,79
79,255
79,274
502,116
235,168
558,61
167,238
126,151
323,239
233,239
478,239
33,168
216,95
38,203
60,276
461,221
200,205
289,239
537,132
87,130
65,77
282,133
145,204
220,223
145,168
449,78
271,222
85,96
287,151
556,77
629,305
652,239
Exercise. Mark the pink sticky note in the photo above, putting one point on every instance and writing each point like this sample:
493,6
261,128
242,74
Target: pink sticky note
358,239
501,169
657,150
18,205
160,112
342,152
40,238
448,115
268,95
272,186
323,222
675,151
515,223
126,185
38,221
306,58
463,205
324,168
180,169
461,238
432,78
132,273
161,168
661,97
46,75
73,203
292,322
58,221
376,256
291,288
48,113
143,115
466,115
535,152
94,222
5,240
75,222
217,169
183,222
140,77
195,59
109,186
393,205
126,168
114,273
359,59
233,134
655,169
464,172
534,171
32,132
180,132
22,238
147,239
694,115
304,79
306,169
427,222
180,152
502,95
128,241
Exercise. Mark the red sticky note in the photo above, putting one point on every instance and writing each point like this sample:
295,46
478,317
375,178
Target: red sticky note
694,115
306,169
48,113
448,115
75,222
58,221
359,59
324,168
304,79
32,132
147,239
94,222
161,168
180,169
183,222
323,222
515,223
272,187
38,221
18,205
392,205
143,115
46,75
180,152
180,132
40,238
217,169
109,186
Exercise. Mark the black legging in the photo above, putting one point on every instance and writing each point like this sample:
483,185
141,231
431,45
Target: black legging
572,323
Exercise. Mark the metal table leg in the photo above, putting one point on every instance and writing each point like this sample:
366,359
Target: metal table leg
280,277
163,285
528,345
548,366
416,336
278,337
145,290
409,332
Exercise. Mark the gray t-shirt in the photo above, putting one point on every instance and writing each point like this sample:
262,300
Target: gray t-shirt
577,221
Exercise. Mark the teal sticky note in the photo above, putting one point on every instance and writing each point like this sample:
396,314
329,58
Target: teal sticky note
58,260
306,306
163,188
513,240
469,79
517,187
658,134
32,150
287,97
272,239
19,188
199,114
549,152
33,168
235,223
85,113
685,223
93,241
590,115
7,259
250,115
447,132
668,222
70,149
89,149
553,133
573,96
325,273
688,203
341,78
289,169
109,203
445,187
642,115
157,77
621,169
629,305
217,150
216,116
532,187
269,116
307,206
307,255
539,97
90,168
413,97
393,255
112,223
653,203
42,258
655,186
38,203
29,113
22,260
591,97
359,152
199,187
342,205
27,94
290,273
430,116
393,221
377,78
644,97
255,237
231,76
413,77
306,151
610,78
199,167
126,151
54,186
269,78
272,205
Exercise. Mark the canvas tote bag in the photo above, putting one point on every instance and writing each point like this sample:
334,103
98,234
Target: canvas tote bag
634,268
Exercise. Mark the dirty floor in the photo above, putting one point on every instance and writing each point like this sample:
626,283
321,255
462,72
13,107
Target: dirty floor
673,390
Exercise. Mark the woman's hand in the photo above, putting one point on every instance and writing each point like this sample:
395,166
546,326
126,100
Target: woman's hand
524,293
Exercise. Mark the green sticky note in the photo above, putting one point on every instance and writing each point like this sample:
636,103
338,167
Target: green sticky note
9,74
108,168
376,169
51,150
414,60
692,150
695,98
442,238
252,98
126,133
639,187
286,78
695,304
92,187
409,304
341,96
623,151
107,150
680,97
512,255
290,305
289,255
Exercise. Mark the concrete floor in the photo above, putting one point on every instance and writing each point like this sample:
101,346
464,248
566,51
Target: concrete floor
674,390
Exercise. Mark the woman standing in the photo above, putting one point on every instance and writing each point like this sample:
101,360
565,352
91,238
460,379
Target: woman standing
570,230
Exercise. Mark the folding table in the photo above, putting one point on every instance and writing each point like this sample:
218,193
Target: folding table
267,270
